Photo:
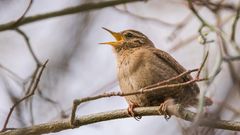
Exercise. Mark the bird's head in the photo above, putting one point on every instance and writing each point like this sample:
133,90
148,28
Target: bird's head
128,39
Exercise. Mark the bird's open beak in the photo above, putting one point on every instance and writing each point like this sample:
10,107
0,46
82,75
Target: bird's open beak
116,35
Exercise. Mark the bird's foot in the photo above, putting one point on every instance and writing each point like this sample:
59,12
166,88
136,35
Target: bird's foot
131,112
163,108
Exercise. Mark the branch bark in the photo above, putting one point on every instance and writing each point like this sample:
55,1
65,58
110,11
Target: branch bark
176,110
66,11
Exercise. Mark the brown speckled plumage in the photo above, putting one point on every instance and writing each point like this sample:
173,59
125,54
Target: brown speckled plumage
140,64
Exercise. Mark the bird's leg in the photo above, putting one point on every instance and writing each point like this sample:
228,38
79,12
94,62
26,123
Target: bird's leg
131,113
163,108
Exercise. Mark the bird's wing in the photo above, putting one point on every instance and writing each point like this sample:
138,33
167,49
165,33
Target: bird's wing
171,62
174,64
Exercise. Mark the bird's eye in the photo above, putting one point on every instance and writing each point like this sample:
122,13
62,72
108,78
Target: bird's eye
129,35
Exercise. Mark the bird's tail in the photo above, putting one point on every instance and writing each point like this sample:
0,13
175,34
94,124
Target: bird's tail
207,101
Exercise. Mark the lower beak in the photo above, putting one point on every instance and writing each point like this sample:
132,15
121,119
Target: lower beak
116,35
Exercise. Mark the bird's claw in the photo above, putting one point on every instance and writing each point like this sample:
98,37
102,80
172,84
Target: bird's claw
131,112
163,108
163,111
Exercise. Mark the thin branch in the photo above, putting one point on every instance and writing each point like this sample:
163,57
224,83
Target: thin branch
234,25
190,4
233,73
34,87
202,65
35,72
176,110
25,12
22,33
51,101
215,6
172,79
231,58
67,11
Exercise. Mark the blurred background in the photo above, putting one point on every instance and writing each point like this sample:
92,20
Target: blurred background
79,67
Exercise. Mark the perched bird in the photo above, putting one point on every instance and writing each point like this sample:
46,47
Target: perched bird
140,64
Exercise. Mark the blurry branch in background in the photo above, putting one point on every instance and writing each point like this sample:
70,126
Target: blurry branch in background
66,11
231,58
215,6
54,103
28,45
176,110
19,80
127,12
193,37
32,88
234,25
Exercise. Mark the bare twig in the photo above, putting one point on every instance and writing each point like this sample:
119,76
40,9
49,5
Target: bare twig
47,99
28,45
234,25
215,6
231,58
25,12
35,72
172,79
176,110
66,11
34,87
234,76
191,7
202,65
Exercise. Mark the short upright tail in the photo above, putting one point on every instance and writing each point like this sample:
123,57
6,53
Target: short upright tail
208,101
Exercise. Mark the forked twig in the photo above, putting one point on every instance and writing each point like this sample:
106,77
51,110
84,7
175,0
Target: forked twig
25,12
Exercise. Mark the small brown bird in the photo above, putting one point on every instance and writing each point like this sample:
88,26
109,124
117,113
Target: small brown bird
140,64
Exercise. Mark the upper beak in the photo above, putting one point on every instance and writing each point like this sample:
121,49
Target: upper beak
116,35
